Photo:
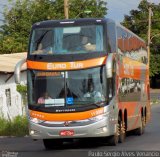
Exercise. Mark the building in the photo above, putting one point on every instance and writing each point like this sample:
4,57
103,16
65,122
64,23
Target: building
11,103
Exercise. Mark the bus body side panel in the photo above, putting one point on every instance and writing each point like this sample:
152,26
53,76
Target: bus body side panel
132,77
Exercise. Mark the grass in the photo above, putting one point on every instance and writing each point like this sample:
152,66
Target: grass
155,101
17,127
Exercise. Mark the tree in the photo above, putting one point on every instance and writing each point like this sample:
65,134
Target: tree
78,8
137,22
19,18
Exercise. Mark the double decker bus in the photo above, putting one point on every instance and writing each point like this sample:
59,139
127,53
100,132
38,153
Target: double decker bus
65,58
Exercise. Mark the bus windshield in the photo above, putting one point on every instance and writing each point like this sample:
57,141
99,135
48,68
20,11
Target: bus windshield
67,89
67,40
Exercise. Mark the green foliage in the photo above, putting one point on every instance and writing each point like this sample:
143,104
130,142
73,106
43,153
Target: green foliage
78,8
155,65
137,22
17,127
22,89
19,18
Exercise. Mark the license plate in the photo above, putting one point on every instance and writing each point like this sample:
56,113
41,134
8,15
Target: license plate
66,133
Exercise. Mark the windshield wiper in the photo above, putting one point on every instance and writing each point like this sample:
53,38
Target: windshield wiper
37,106
38,41
97,104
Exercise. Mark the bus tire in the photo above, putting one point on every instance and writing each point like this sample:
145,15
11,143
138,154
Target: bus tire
52,143
122,132
139,131
113,140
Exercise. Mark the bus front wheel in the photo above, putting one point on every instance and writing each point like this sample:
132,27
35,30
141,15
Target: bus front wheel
113,140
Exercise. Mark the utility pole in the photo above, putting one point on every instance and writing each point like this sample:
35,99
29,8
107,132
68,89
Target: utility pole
66,9
149,32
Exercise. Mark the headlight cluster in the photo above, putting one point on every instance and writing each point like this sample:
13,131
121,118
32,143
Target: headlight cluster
36,120
99,117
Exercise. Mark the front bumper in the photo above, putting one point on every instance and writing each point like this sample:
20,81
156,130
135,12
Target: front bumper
102,128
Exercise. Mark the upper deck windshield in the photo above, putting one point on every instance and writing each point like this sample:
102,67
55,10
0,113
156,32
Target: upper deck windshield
67,40
71,89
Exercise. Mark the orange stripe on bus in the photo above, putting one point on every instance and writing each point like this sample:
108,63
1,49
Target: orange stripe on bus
132,69
66,116
66,65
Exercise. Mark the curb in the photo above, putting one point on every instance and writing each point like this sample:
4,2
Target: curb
13,136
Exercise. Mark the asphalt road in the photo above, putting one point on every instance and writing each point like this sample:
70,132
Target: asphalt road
25,147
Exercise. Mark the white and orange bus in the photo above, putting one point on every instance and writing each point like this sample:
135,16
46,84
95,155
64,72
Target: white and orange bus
65,57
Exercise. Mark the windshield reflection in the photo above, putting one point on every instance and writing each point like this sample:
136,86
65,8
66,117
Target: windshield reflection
67,89
67,40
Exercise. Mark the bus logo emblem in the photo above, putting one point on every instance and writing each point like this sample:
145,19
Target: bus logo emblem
66,123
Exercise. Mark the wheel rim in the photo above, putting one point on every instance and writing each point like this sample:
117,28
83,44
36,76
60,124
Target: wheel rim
117,134
122,132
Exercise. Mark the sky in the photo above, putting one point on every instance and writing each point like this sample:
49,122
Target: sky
2,4
116,8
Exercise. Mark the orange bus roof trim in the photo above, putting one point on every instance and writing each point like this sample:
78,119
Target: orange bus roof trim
66,65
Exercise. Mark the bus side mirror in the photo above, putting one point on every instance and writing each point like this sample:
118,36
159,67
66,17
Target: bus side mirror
110,72
18,69
109,65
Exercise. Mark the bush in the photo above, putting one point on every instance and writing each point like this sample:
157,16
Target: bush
17,127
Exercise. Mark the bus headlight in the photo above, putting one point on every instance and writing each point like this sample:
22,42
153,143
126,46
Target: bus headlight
36,120
100,117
